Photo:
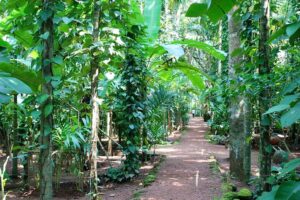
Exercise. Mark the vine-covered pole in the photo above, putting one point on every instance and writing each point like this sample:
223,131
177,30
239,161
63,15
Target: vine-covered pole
46,164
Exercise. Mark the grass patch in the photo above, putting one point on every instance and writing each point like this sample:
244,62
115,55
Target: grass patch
214,166
151,177
229,190
137,194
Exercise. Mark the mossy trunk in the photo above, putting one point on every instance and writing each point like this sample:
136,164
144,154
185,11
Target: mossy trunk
265,95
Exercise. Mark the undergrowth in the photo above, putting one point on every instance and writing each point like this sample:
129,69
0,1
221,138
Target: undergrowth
151,177
217,139
229,190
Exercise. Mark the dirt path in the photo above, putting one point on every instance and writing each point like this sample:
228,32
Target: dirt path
186,174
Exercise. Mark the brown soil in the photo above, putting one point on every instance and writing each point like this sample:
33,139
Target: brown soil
186,173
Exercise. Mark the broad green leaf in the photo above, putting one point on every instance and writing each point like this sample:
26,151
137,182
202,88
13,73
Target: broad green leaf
218,9
277,108
155,51
5,44
25,37
204,47
193,74
289,167
42,98
48,110
4,98
152,13
195,78
290,87
30,77
45,35
64,28
197,10
132,148
36,114
131,126
291,31
214,9
289,99
290,117
269,195
4,59
15,84
58,60
67,20
287,190
45,14
4,89
292,28
295,195
278,34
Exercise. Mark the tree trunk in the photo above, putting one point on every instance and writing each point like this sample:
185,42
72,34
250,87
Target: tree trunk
239,128
220,47
169,122
95,107
15,172
109,133
46,171
264,69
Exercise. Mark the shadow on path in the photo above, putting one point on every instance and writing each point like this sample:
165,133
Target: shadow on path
185,174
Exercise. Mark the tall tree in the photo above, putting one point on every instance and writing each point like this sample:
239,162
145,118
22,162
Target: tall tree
220,46
15,172
239,156
94,97
46,171
265,95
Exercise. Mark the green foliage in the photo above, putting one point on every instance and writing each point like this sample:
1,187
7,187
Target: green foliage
137,194
150,178
289,106
192,73
131,102
280,156
8,85
119,175
291,31
207,48
230,193
152,14
214,9
218,139
152,175
286,184
244,193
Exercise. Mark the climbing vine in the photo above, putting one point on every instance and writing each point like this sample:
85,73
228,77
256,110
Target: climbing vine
131,104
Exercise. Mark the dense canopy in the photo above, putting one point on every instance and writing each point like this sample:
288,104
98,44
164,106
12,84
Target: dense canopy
90,89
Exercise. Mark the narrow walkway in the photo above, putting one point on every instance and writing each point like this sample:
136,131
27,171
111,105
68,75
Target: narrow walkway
185,174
